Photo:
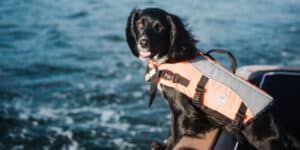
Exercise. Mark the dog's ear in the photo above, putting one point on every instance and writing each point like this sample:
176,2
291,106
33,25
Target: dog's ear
182,43
131,30
173,22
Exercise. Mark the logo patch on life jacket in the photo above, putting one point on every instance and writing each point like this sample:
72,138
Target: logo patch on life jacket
221,99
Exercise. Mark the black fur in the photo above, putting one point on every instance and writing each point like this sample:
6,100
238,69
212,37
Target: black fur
175,42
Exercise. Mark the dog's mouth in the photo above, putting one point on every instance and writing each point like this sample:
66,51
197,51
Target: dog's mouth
144,54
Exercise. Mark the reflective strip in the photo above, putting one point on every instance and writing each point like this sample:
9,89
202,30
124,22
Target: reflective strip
254,98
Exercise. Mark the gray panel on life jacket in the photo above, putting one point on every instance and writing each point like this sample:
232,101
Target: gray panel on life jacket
254,99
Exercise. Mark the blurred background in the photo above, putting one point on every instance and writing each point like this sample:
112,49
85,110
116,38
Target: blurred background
68,80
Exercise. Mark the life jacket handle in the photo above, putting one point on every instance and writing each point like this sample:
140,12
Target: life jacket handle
229,54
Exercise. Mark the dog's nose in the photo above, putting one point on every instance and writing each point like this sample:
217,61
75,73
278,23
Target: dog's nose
144,43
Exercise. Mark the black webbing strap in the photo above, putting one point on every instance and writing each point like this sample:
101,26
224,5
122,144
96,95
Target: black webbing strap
237,123
147,69
174,77
199,91
240,115
153,88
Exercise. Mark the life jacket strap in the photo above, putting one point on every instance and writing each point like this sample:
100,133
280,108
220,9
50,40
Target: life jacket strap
153,88
237,123
174,77
199,91
240,115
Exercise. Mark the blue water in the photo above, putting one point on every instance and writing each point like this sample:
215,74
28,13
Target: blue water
68,80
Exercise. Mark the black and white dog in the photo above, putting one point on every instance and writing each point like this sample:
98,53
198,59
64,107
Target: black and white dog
154,34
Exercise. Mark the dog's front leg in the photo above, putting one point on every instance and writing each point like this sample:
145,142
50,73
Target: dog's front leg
171,140
169,143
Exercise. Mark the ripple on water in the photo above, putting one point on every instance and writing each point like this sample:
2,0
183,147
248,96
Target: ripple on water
78,15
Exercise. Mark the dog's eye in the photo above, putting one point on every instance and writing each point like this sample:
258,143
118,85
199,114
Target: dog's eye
140,25
158,27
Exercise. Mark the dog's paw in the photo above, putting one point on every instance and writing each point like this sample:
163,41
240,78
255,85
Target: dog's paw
158,146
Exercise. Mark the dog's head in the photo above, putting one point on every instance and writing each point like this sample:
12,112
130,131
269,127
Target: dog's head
153,33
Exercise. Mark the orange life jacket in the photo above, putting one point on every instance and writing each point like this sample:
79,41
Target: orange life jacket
206,81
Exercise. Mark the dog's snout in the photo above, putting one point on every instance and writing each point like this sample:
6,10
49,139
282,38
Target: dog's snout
144,43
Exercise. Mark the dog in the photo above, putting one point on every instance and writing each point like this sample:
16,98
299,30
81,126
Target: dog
156,35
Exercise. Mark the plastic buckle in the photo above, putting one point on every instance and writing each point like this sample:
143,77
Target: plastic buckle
240,116
199,90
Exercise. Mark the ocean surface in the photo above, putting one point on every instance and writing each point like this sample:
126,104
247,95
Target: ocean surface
68,80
